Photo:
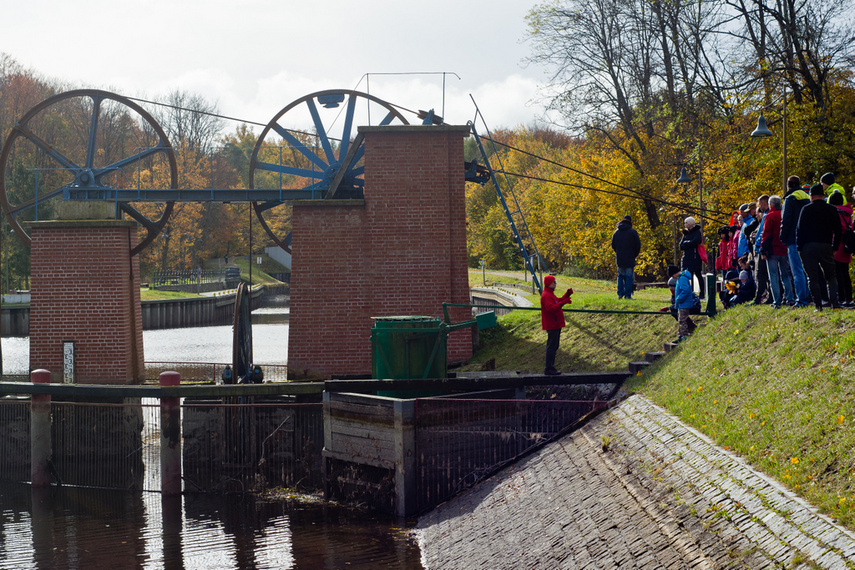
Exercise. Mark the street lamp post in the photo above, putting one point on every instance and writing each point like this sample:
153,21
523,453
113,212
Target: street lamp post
763,131
685,179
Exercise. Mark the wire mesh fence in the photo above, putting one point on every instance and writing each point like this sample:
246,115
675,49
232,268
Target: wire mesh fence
460,442
15,443
245,444
106,445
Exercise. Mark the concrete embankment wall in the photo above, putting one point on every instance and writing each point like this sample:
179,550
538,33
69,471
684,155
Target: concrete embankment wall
162,314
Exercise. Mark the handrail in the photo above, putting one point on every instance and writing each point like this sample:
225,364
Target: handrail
149,391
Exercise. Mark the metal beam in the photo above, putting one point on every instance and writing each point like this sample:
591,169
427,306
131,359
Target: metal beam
195,195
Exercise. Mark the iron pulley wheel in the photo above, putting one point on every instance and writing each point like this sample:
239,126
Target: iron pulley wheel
242,333
102,142
326,162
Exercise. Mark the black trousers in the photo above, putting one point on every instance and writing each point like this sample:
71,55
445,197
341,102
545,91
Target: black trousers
818,260
844,282
553,339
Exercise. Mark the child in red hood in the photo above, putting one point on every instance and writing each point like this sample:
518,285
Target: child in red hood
552,319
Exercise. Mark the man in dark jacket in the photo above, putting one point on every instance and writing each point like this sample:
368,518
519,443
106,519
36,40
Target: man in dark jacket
794,200
691,260
627,246
817,235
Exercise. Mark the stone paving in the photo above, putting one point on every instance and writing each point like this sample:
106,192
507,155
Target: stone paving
634,488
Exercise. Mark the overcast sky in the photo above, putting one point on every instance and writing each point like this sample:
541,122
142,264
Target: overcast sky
253,57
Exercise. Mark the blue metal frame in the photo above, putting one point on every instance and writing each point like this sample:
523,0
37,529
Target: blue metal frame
524,239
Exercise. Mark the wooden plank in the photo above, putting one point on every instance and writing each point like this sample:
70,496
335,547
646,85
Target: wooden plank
367,410
385,464
357,429
359,448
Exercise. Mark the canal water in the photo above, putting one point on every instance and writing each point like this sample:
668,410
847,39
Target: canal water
82,528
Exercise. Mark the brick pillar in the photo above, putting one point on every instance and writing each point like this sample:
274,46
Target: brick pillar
86,289
400,251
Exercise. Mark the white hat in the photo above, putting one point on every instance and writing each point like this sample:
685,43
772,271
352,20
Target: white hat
690,221
744,275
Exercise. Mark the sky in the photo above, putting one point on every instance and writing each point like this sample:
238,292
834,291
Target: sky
253,57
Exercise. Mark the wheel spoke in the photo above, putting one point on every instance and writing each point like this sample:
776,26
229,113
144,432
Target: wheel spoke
348,125
296,143
321,131
136,215
47,148
283,169
93,131
130,160
387,119
15,210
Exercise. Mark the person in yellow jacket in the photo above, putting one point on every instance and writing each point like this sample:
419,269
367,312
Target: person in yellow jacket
829,185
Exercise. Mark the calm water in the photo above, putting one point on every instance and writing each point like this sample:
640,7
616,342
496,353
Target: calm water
198,344
79,528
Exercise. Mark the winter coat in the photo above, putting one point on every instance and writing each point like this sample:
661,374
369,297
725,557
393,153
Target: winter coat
734,247
551,315
759,233
793,205
836,187
819,222
743,236
745,292
770,241
626,243
724,261
689,245
845,212
683,294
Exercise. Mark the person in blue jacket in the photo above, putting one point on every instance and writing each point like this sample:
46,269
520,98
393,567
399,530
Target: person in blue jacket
683,301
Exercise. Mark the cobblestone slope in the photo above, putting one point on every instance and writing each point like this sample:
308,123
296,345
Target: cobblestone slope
634,488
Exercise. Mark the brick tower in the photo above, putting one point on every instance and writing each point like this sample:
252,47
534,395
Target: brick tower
85,315
399,251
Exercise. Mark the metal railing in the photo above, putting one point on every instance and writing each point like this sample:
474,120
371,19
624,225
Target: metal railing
187,276
196,372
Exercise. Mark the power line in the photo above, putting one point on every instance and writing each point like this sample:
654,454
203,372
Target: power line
636,194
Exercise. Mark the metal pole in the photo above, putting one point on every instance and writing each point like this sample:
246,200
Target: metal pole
784,130
40,436
170,438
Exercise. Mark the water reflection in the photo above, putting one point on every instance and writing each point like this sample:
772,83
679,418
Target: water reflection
84,528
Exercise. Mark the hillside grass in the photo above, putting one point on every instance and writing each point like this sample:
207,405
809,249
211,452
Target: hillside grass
773,386
591,341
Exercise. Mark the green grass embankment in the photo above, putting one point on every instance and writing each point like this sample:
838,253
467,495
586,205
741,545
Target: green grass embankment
591,341
773,386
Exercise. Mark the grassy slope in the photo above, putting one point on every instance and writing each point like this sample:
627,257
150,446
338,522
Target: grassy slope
591,341
772,386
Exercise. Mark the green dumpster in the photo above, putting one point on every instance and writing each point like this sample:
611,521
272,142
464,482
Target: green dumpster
408,347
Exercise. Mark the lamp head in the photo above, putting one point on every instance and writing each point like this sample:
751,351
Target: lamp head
762,130
684,177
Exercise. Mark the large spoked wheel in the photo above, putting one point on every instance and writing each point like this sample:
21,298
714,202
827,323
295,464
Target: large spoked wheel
242,333
318,153
101,141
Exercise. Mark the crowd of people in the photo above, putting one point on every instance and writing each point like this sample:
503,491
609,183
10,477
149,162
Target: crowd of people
787,251
791,251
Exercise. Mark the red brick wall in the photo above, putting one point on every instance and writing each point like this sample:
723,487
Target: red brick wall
82,290
401,252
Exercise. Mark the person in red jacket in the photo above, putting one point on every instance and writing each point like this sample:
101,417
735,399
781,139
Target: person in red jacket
552,319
